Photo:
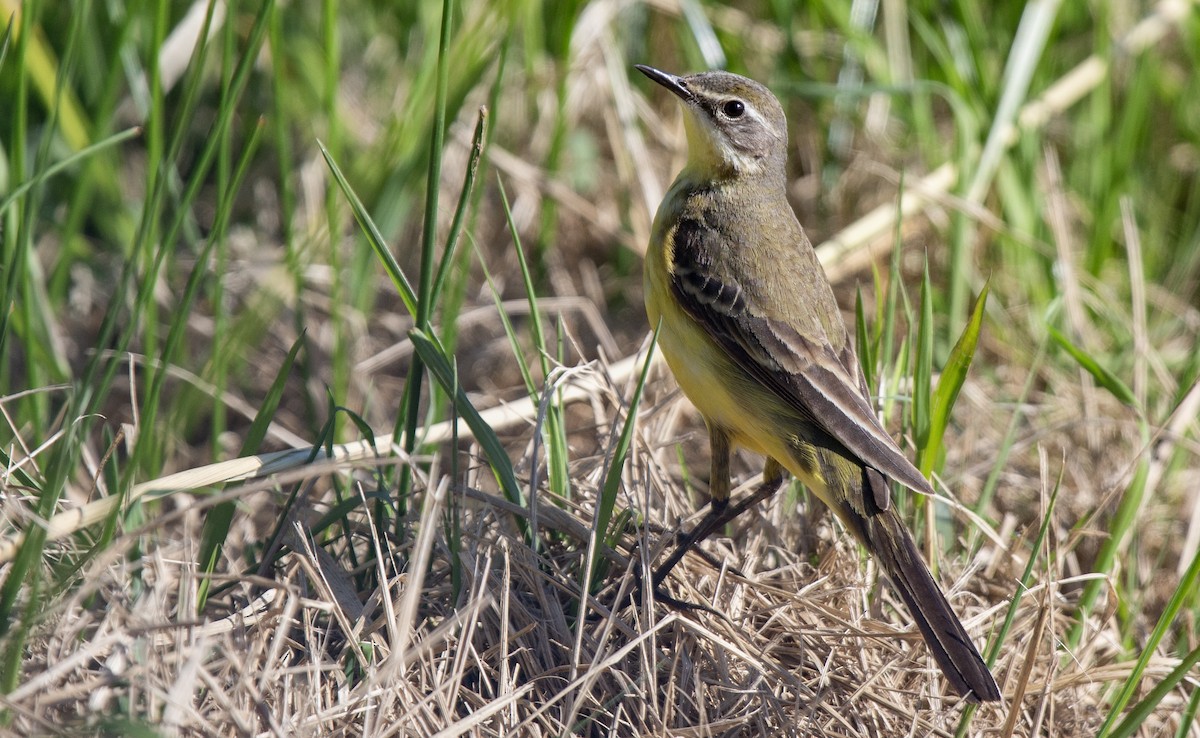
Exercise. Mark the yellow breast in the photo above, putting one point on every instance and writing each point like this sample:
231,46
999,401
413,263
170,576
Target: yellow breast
722,392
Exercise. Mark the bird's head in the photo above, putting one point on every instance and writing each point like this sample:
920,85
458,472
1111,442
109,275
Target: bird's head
735,126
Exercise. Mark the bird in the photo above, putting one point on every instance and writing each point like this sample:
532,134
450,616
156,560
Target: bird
750,328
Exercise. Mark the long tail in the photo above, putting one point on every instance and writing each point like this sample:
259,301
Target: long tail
952,648
886,537
851,491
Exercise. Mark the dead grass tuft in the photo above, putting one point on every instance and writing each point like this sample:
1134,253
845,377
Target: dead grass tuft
806,643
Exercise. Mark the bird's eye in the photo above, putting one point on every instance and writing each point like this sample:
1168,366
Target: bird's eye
734,108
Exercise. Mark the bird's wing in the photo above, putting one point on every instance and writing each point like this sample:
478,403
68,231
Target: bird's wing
806,372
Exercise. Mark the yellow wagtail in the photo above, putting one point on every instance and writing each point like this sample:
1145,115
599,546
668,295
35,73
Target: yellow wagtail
751,330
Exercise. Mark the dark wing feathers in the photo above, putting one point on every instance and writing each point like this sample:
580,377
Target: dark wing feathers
805,372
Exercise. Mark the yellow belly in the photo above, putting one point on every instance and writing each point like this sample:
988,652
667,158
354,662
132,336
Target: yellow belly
726,395
723,393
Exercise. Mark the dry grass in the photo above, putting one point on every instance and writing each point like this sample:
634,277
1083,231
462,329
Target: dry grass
805,641
805,644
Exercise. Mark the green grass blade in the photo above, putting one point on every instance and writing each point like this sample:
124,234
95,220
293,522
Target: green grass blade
374,238
1187,718
4,41
1010,433
453,513
339,512
270,402
1014,605
149,446
557,450
57,167
218,520
437,141
1119,528
1102,375
323,441
432,354
1185,590
510,331
409,416
553,430
23,579
866,347
535,315
1142,710
954,374
464,199
612,476
153,250
892,303
923,369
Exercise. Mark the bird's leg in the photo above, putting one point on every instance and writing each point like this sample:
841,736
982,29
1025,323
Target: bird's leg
718,478
721,512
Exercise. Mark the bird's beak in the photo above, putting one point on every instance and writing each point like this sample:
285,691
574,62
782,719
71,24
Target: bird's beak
670,81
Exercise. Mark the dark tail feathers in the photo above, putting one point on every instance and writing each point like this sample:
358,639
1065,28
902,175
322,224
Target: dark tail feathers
889,540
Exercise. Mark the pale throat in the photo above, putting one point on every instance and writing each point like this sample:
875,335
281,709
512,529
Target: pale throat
710,155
